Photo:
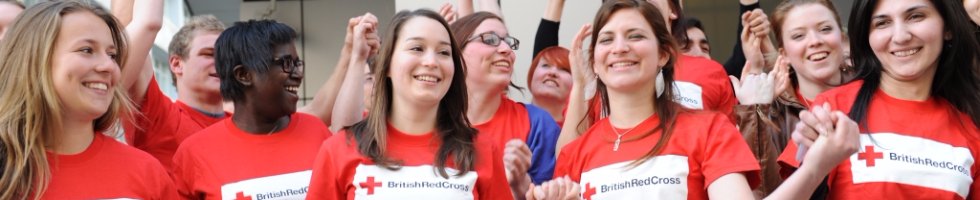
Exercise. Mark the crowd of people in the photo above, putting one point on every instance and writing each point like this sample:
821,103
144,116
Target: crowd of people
806,108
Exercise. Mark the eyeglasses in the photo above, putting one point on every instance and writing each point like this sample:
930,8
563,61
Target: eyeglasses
492,39
289,64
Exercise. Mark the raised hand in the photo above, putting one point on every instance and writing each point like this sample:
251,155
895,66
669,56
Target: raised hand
754,89
365,42
448,13
783,81
582,72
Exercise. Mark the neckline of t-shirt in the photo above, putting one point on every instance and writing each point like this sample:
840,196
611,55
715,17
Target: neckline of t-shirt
931,103
234,130
66,160
502,110
415,140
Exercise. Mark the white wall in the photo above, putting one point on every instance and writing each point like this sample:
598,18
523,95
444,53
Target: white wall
522,18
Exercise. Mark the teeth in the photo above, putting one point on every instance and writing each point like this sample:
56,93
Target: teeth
98,86
551,82
501,64
623,64
906,52
818,56
427,78
292,89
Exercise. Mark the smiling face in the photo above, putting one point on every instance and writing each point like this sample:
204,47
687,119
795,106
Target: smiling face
421,62
627,53
907,37
697,44
276,90
811,40
489,65
83,68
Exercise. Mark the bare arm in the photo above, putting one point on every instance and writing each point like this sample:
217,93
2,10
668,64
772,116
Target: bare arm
123,11
465,7
730,186
491,6
142,31
347,110
578,105
554,9
322,104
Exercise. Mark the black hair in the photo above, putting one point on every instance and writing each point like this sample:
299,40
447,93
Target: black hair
956,79
250,44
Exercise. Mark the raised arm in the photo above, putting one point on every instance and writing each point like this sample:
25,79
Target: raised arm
547,34
147,18
575,118
322,104
350,102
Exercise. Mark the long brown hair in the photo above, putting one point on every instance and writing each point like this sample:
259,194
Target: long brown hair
666,108
454,129
31,109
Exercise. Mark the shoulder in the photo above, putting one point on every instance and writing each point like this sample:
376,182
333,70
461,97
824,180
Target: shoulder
842,97
206,137
135,159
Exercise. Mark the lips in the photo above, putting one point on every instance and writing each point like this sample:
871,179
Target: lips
622,65
906,53
427,78
292,89
503,64
819,56
550,82
96,85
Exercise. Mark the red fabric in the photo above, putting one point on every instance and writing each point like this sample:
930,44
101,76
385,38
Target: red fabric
717,93
924,130
509,122
162,125
342,172
106,170
707,143
210,161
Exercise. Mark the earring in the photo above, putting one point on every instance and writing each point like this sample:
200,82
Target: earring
660,83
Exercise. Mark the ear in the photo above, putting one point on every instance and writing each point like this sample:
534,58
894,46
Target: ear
242,75
782,51
176,66
947,35
664,57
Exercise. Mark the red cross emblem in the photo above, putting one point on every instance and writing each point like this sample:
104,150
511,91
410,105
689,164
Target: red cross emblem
589,191
370,184
869,156
241,196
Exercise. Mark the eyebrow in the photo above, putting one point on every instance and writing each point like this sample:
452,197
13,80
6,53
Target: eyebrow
627,31
420,39
913,8
89,41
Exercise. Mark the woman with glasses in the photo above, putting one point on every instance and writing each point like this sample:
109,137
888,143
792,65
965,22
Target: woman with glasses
266,149
526,132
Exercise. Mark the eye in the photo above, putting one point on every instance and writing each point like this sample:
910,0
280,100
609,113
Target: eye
826,29
445,53
879,24
796,37
113,55
916,17
416,48
86,50
605,40
636,36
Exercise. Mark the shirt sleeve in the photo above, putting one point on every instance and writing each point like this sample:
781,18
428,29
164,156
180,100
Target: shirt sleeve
546,36
542,141
726,152
324,183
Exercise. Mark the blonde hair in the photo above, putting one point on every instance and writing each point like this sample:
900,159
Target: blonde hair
32,111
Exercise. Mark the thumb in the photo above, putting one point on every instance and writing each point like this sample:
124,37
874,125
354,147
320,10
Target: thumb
735,83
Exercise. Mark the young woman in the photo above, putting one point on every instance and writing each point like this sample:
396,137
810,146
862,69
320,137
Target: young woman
416,143
649,147
550,81
266,140
809,36
62,91
527,133
918,104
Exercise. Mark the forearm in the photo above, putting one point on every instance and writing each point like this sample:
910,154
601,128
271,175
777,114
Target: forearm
576,121
554,10
491,6
142,31
349,102
800,185
322,103
465,7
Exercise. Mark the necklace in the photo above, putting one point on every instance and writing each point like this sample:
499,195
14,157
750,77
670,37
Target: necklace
619,136
276,126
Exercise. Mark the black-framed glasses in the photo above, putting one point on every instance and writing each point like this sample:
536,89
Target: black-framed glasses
492,39
289,64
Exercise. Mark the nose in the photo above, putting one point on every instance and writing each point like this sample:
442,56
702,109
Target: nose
620,46
107,64
429,59
814,40
504,49
900,33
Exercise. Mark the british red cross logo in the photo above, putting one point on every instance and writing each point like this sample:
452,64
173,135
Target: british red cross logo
869,156
589,191
241,196
370,184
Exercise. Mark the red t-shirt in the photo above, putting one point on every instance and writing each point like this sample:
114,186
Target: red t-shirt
225,162
163,124
509,122
909,150
342,172
703,84
703,147
108,170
